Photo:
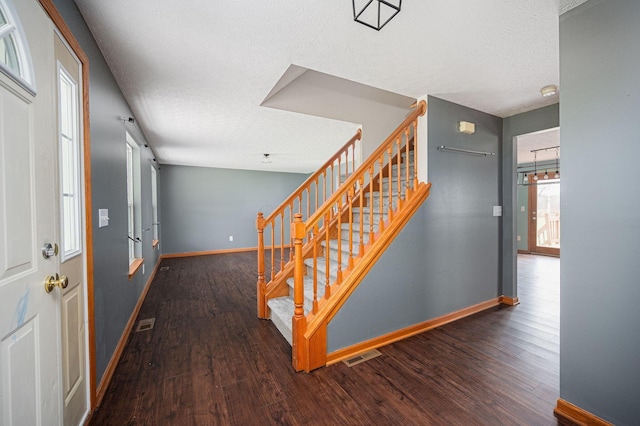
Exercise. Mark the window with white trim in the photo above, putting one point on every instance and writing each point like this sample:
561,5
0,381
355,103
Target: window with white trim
133,199
154,204
69,143
15,60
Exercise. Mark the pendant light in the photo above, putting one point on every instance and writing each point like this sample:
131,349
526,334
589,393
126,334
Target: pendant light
557,175
375,13
535,166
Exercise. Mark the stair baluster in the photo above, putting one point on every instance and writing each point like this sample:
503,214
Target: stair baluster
309,197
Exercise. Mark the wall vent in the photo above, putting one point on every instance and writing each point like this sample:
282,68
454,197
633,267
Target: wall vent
145,324
366,356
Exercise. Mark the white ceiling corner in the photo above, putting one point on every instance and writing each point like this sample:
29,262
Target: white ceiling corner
195,73
567,5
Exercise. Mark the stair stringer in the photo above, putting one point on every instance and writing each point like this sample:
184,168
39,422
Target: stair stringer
310,332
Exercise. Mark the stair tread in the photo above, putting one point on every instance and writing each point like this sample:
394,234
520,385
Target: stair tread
322,265
376,194
365,227
281,314
308,288
364,209
333,245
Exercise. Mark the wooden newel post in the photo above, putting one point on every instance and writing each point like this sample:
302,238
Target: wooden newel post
299,322
261,286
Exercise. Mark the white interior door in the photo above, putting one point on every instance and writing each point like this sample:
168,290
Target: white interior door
32,390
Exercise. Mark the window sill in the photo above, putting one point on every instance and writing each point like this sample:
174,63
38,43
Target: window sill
155,243
135,266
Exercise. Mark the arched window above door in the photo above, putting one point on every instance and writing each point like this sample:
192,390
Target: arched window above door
15,60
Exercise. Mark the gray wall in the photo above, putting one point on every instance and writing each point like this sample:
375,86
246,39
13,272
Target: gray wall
201,207
520,124
600,268
115,296
448,254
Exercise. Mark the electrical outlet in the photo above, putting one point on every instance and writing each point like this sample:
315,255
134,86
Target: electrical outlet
230,237
521,208
518,238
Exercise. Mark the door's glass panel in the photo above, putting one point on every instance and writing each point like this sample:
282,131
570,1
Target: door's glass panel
9,55
69,165
15,59
548,214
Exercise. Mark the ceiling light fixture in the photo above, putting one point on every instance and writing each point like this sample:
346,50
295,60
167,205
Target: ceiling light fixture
266,159
549,90
375,13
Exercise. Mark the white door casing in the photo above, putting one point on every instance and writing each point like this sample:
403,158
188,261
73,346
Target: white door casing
72,312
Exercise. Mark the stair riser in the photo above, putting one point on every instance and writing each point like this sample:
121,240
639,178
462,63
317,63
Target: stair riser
321,277
366,220
356,239
308,298
375,203
333,253
403,167
308,292
394,186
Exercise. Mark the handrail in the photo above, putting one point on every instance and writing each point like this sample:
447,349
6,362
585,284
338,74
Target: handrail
307,183
351,180
311,194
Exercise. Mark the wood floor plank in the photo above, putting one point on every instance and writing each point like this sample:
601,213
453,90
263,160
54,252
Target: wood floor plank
210,361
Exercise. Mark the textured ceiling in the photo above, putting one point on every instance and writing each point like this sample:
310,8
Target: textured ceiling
196,72
538,141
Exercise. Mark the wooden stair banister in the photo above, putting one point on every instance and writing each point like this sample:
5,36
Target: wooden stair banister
411,119
364,188
284,214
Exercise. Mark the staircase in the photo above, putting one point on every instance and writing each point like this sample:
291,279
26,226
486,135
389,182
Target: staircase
336,238
370,215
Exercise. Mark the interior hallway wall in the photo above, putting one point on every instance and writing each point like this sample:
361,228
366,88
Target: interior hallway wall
115,296
600,267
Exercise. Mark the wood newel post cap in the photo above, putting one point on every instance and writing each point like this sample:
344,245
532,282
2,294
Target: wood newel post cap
359,134
422,105
297,227
260,221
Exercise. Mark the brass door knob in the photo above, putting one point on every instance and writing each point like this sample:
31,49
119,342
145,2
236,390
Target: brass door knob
55,281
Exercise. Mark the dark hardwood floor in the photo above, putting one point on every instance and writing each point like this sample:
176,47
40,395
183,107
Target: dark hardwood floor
210,361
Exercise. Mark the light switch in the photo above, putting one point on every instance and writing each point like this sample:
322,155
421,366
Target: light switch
497,210
103,218
521,208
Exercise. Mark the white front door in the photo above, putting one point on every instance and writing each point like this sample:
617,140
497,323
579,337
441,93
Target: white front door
36,385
